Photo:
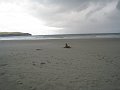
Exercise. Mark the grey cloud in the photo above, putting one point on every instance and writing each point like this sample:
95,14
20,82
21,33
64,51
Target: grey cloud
10,1
76,16
71,4
118,5
58,8
68,2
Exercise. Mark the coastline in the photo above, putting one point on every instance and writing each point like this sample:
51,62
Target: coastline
91,64
63,36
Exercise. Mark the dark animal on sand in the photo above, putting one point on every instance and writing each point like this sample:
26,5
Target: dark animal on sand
67,46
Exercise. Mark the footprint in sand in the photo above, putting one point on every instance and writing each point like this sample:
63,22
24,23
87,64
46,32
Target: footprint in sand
2,65
33,88
3,73
42,63
101,58
33,63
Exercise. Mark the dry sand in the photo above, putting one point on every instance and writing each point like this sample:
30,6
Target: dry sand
91,64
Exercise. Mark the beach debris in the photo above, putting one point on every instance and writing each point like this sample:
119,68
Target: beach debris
38,49
67,46
19,82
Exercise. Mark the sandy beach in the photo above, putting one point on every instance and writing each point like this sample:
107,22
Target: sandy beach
91,64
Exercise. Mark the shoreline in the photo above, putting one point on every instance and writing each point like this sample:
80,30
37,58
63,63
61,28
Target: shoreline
66,36
66,39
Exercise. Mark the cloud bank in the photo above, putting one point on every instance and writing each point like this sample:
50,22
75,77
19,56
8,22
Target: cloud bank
80,16
75,16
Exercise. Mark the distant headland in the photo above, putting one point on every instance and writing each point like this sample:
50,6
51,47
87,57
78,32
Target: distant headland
4,34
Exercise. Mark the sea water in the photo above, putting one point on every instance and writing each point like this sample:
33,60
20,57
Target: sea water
62,36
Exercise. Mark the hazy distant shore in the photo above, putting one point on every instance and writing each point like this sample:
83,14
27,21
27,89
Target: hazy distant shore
6,34
91,64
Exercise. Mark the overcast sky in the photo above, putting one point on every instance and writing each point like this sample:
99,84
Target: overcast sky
60,16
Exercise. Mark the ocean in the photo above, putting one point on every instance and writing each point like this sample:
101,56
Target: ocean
62,36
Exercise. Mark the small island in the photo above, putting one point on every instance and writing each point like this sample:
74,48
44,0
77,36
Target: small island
4,34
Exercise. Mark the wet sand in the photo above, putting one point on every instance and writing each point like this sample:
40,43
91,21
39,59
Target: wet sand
91,64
